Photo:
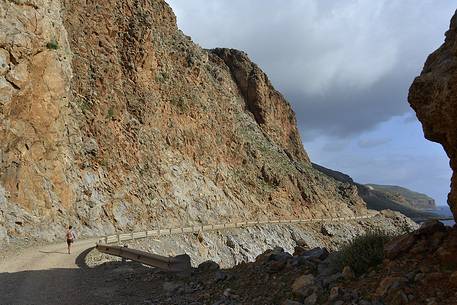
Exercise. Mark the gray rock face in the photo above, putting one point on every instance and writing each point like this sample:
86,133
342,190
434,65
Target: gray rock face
4,61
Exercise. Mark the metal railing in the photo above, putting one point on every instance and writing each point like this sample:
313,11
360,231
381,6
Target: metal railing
117,238
178,263
182,262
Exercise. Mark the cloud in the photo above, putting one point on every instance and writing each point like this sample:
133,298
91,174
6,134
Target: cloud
405,159
410,118
335,146
372,143
344,65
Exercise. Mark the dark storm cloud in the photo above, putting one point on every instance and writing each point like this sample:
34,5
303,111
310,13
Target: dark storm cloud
344,65
343,113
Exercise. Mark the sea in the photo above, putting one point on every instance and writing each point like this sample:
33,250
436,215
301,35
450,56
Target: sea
445,211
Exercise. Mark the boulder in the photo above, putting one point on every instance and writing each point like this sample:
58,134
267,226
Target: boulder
320,253
347,273
208,266
447,257
328,266
311,299
329,279
301,283
388,283
335,292
302,243
220,276
399,245
430,227
298,250
172,287
453,279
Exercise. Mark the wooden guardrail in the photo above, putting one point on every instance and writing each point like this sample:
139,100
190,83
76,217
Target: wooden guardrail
117,238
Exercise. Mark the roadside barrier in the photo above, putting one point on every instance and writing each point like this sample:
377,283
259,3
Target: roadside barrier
181,263
178,263
117,238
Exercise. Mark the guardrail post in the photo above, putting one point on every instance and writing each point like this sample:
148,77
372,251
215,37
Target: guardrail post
118,239
123,258
131,235
106,239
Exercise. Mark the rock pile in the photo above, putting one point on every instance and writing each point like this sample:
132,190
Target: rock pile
419,268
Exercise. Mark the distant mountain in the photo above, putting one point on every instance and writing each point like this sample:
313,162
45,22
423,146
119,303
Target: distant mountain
381,197
405,196
334,174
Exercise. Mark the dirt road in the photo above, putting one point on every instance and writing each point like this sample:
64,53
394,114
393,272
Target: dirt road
44,275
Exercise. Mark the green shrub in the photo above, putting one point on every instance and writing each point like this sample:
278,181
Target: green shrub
52,45
162,77
110,114
180,103
84,105
363,252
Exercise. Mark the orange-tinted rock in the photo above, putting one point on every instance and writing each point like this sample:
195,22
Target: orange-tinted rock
112,119
447,257
388,283
433,96
453,279
399,245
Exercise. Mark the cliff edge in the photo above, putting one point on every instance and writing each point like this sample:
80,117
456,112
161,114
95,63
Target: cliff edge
111,119
433,95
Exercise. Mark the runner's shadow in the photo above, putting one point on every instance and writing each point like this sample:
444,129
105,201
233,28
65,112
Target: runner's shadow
56,252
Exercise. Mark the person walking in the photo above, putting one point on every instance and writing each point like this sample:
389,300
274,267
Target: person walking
70,238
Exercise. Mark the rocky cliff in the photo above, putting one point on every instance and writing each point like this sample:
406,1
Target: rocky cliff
433,96
404,196
112,119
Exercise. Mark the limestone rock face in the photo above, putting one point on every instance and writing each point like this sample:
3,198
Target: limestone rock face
111,119
433,95
271,111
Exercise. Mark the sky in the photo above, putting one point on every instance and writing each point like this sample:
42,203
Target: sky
345,66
